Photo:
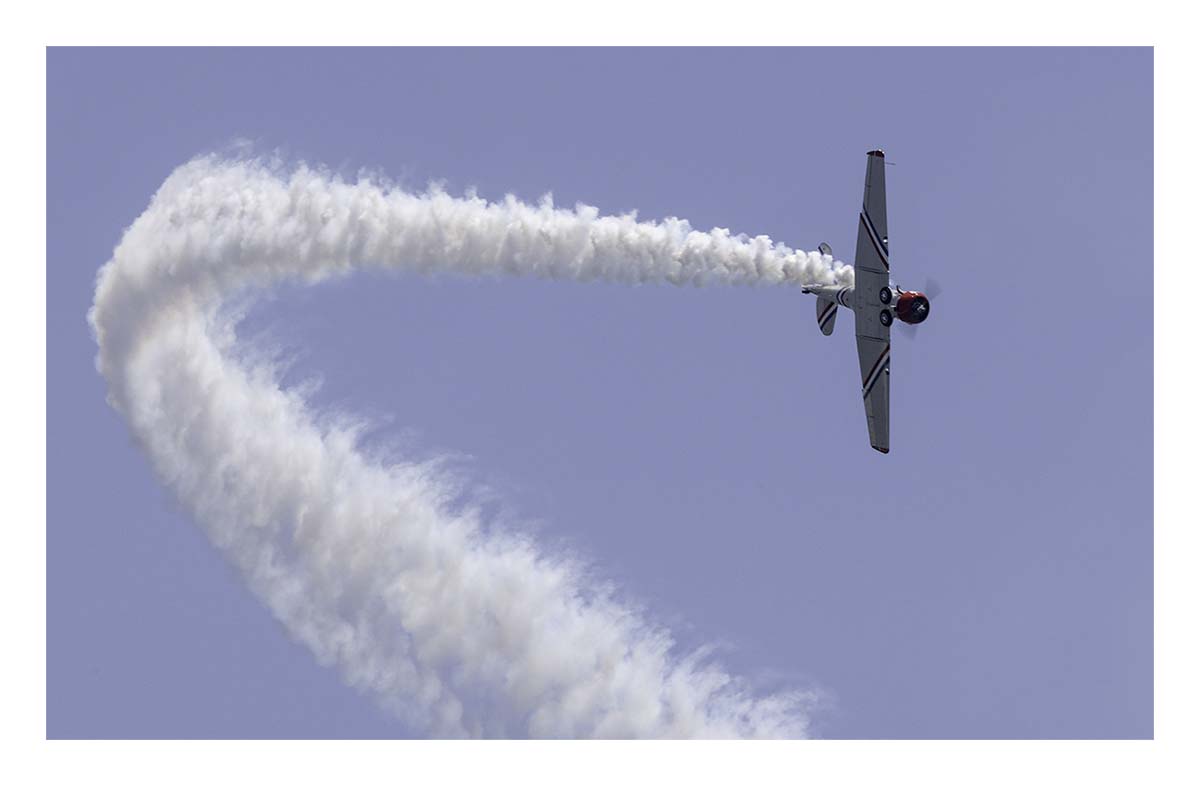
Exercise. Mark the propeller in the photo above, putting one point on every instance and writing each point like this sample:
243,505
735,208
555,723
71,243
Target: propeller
932,288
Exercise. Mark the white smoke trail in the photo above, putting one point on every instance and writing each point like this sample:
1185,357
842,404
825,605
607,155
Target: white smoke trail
459,629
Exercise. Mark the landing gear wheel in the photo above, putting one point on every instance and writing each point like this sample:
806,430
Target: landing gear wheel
885,317
885,295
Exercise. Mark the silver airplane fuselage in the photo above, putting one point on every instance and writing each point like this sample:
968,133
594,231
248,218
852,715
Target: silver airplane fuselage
903,304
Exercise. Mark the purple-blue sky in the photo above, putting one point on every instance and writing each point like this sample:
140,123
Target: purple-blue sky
704,448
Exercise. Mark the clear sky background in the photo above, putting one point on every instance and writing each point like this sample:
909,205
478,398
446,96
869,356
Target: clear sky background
704,448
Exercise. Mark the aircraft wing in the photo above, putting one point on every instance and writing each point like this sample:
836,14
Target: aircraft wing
871,276
874,359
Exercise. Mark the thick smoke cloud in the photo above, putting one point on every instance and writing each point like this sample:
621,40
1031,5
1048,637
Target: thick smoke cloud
458,628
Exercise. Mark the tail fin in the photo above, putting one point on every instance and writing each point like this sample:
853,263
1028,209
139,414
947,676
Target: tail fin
826,315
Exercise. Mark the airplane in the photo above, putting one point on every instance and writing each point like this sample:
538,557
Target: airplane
875,301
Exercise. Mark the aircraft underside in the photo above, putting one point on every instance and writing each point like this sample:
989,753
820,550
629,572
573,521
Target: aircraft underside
875,301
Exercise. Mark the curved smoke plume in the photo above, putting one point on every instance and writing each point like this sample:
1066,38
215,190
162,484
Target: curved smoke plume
459,629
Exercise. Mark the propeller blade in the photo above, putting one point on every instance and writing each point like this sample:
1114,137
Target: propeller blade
932,288
907,330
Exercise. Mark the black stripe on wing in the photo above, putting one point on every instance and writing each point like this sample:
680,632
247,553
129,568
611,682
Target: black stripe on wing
880,364
876,241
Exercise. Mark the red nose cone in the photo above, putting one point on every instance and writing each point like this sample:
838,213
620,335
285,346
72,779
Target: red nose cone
912,307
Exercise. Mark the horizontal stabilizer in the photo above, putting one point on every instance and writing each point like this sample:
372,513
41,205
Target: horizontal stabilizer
826,315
